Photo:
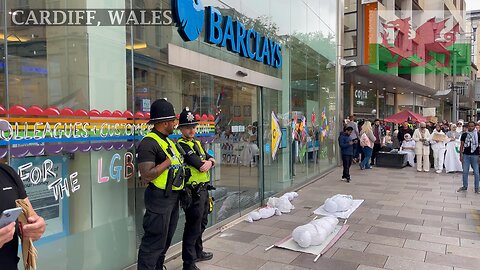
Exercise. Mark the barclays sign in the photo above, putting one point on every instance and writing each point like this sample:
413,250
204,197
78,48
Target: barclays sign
191,17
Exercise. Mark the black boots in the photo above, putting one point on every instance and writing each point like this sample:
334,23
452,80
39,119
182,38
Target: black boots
205,256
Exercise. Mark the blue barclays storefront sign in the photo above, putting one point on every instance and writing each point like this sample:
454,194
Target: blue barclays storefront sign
191,16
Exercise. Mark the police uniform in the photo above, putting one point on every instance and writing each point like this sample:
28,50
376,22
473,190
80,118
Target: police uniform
161,196
196,215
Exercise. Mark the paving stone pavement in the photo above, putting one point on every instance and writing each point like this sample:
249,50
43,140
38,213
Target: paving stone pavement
409,220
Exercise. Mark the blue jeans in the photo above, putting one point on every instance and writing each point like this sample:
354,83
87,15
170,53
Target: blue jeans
367,152
470,160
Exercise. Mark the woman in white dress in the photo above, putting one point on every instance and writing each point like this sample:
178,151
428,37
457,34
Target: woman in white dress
452,156
408,146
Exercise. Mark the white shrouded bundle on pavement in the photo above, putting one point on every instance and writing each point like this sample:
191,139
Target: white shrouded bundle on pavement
265,212
283,203
315,232
338,203
275,206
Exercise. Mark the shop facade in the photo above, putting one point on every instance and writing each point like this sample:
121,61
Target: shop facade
78,99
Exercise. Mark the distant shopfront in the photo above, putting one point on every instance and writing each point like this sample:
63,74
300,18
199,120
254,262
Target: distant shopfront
78,99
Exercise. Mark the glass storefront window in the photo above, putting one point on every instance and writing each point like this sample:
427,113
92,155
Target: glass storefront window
87,91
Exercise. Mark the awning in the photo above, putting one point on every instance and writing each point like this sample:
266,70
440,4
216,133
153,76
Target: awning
404,116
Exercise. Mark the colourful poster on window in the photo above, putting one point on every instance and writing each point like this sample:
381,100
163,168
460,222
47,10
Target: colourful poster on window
276,135
48,187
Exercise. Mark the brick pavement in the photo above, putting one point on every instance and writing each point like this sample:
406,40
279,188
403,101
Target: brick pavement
409,220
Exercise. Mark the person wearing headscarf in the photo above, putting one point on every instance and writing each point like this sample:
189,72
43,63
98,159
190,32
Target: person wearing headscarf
469,155
438,141
408,146
421,136
460,126
452,156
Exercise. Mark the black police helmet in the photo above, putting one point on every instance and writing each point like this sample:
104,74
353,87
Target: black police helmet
187,118
160,111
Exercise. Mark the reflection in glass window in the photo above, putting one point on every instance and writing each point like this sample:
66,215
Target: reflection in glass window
350,40
350,21
350,5
350,52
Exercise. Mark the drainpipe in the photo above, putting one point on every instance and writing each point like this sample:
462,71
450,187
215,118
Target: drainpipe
340,101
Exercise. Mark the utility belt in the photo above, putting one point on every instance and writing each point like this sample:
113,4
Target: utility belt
196,188
192,192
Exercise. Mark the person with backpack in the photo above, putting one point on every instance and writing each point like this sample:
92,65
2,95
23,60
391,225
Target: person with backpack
346,147
12,189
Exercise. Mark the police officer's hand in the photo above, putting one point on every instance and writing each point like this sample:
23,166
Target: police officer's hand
207,165
6,234
167,162
35,227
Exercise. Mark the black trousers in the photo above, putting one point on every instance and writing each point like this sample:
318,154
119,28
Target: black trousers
347,162
376,149
196,220
159,223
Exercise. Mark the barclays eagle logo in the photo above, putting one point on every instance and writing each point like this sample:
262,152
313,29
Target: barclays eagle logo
190,15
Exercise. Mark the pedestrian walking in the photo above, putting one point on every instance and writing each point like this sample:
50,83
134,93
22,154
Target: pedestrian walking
469,155
438,142
196,211
346,147
379,133
421,136
366,142
354,137
160,165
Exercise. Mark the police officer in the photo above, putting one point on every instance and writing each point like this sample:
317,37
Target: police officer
160,164
196,214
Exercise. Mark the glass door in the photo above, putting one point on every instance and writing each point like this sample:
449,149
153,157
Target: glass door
276,140
236,148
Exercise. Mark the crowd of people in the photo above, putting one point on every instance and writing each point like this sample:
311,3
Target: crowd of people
449,147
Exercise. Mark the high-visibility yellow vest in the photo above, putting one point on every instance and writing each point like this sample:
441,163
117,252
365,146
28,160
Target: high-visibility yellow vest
197,176
176,160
